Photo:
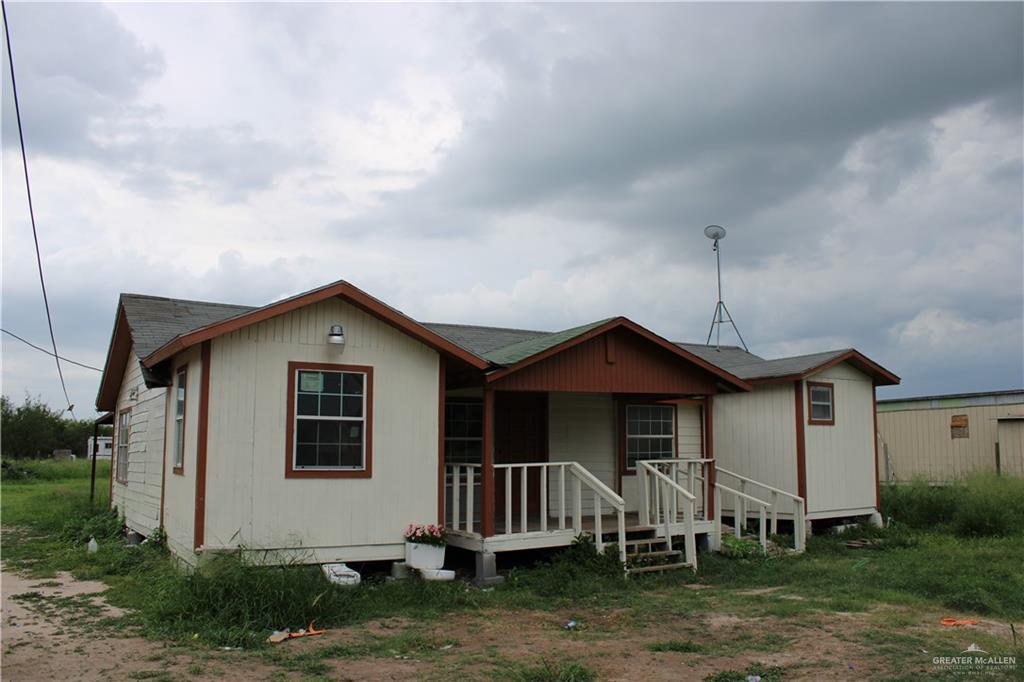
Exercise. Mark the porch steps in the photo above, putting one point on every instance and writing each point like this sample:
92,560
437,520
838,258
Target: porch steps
655,568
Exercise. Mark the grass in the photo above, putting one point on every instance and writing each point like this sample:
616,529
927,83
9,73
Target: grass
48,519
984,505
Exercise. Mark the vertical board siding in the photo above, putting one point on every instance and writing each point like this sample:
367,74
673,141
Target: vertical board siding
640,367
1011,447
754,436
180,489
139,499
918,442
841,457
249,501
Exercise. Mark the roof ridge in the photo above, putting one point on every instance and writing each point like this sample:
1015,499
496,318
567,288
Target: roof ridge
485,326
152,297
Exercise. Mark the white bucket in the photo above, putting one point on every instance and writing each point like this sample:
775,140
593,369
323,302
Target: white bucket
342,575
437,574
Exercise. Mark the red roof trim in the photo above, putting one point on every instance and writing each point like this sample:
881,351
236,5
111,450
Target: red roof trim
637,329
117,359
340,289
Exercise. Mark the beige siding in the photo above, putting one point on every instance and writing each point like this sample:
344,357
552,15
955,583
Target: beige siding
139,498
918,442
180,489
581,428
1011,447
841,457
755,435
249,500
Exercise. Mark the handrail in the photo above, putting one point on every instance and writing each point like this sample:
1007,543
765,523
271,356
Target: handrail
744,495
799,504
689,537
767,487
667,479
598,486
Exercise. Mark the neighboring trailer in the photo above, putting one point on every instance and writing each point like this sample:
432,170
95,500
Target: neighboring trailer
947,437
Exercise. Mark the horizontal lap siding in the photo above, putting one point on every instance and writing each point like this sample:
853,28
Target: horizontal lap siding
249,500
581,428
841,457
139,499
919,443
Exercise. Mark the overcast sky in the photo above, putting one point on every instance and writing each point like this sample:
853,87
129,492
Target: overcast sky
538,166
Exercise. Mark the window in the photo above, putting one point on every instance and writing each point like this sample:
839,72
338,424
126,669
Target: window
123,429
181,387
821,398
463,432
329,414
650,433
959,427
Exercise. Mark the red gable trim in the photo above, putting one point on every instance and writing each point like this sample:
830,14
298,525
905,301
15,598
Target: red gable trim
117,359
881,376
340,289
622,322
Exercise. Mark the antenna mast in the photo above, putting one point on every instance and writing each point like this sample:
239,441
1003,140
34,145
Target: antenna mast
722,315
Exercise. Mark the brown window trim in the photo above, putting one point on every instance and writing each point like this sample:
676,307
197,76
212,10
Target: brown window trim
117,447
643,402
810,408
289,447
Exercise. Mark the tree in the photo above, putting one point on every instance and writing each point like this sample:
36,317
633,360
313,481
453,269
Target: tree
33,429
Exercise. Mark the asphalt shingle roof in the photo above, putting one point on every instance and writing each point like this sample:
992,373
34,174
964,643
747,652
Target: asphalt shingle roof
155,320
509,355
482,340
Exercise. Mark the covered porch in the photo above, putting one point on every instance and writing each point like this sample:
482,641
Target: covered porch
605,432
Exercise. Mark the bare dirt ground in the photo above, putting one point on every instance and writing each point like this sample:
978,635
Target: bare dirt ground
53,629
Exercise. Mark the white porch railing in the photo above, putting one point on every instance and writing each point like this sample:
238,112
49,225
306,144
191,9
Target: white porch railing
553,495
662,499
742,496
689,474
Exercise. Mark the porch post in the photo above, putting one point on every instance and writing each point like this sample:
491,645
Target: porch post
709,453
441,468
487,471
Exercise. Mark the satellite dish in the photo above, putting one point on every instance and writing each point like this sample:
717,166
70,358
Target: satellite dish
715,232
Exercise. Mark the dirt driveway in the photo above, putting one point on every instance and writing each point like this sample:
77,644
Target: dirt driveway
60,628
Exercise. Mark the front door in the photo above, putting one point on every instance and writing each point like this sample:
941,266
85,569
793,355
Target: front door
520,435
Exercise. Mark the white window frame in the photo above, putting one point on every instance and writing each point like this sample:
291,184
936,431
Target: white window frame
629,437
295,426
180,405
831,403
124,425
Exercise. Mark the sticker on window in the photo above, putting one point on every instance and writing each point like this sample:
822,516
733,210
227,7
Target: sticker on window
310,382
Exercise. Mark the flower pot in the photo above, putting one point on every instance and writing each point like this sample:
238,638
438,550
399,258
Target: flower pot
418,555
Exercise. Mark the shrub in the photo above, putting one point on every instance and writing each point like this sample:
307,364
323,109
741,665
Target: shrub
982,505
102,525
741,548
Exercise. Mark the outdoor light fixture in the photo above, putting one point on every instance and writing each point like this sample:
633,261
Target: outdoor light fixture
336,335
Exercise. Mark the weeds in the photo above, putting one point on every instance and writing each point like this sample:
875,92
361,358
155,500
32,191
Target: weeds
984,505
546,671
756,671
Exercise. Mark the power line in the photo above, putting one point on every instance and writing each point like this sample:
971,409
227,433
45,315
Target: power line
31,211
40,348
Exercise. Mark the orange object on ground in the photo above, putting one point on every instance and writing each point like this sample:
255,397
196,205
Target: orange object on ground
308,632
962,621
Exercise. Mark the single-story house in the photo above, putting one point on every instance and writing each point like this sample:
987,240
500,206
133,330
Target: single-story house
319,426
945,438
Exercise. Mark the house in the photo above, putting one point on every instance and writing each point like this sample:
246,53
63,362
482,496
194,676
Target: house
947,437
319,426
101,446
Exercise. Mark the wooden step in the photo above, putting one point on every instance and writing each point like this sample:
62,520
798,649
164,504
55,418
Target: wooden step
645,541
660,552
658,567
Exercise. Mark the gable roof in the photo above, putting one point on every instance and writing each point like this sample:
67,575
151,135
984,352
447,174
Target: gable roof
339,289
154,320
513,353
482,340
755,369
